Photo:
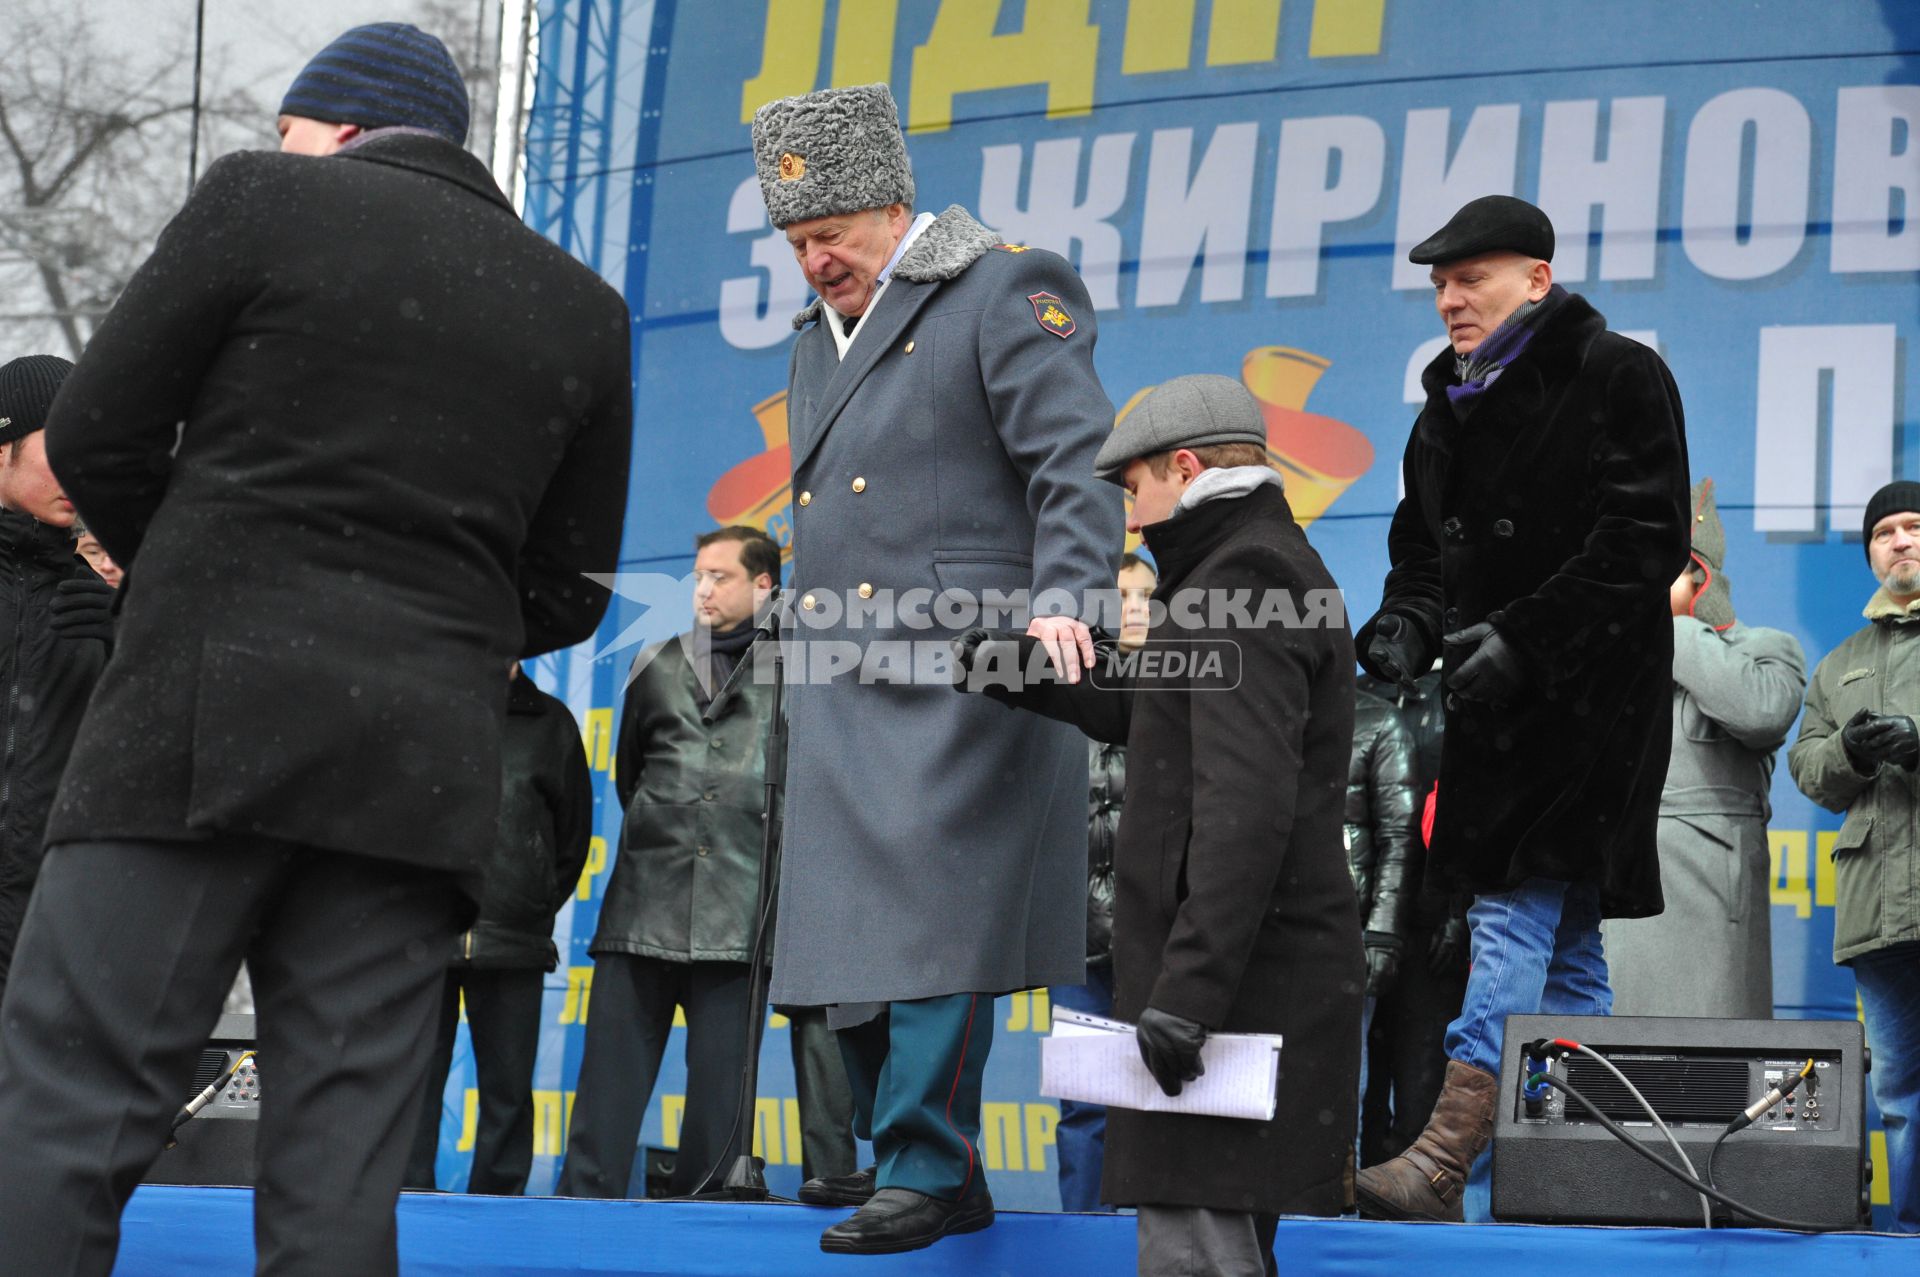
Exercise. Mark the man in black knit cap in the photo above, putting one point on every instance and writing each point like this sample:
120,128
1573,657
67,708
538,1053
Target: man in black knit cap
62,625
293,757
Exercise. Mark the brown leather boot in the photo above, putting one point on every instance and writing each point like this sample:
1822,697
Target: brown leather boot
1428,1180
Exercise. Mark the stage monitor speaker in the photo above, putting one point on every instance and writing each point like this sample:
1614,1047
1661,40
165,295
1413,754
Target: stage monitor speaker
217,1145
1805,1160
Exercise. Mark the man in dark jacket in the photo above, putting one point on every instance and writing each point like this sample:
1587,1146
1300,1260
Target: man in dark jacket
1080,1139
677,923
1235,911
498,964
61,626
395,469
1545,516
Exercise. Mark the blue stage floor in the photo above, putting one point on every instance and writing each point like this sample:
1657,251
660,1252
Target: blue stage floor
208,1232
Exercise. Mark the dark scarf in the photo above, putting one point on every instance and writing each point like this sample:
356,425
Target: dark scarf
1478,370
721,650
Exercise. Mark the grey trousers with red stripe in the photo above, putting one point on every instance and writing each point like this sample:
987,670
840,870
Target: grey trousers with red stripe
915,1071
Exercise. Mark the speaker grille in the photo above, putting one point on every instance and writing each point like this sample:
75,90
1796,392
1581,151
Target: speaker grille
1695,1090
213,1060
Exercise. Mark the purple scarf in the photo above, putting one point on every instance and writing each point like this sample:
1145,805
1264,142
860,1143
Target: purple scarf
1480,369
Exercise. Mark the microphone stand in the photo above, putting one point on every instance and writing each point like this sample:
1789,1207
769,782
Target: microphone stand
746,1179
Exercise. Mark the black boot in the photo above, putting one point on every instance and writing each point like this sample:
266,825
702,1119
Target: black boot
898,1219
854,1189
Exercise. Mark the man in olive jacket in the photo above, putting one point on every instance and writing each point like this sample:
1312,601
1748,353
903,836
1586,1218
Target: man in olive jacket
1545,517
498,965
407,420
1857,753
1234,910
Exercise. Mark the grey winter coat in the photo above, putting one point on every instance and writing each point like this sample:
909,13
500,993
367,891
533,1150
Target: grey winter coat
1735,695
936,844
1876,861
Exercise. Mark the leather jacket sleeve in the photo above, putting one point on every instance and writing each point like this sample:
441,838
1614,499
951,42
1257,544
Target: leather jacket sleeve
1395,806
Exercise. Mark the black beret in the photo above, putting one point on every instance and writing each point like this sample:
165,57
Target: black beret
1490,224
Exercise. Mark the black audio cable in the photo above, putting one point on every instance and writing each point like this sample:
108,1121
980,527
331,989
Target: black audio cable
1756,1111
1699,1186
192,1107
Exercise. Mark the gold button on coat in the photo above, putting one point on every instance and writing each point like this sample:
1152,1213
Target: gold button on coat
909,348
866,591
859,484
807,603
806,498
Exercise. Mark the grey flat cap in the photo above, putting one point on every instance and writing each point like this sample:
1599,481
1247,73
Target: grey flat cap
835,151
1187,412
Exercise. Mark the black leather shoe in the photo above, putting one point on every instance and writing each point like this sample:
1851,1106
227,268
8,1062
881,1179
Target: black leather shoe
900,1219
839,1190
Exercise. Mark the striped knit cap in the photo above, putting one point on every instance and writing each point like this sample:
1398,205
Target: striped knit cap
27,387
382,75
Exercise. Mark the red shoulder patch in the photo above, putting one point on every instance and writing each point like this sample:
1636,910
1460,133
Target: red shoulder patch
1052,314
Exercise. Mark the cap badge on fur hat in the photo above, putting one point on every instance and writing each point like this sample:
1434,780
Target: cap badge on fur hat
792,167
1052,314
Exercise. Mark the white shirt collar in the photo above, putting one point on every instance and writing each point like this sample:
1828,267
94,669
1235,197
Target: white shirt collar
842,340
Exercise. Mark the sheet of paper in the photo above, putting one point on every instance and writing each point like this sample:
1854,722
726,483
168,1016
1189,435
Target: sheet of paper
1096,1061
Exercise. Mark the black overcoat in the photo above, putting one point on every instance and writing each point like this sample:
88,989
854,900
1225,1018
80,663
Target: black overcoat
1559,512
1235,908
406,426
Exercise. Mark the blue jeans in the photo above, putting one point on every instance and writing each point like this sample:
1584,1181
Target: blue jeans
1536,950
1889,983
1080,1141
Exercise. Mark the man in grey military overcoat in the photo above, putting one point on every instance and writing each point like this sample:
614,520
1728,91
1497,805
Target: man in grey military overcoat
945,417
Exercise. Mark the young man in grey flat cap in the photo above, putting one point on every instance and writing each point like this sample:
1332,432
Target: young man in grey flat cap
1545,517
293,757
1234,910
945,417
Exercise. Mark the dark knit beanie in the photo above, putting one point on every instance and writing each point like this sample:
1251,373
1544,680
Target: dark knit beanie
1898,496
27,388
382,75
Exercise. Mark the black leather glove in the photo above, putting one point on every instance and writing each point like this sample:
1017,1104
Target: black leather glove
1447,951
1171,1047
1394,651
1383,961
82,608
1872,739
965,648
1492,673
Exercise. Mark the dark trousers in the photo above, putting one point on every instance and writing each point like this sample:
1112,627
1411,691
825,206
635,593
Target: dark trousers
1080,1141
127,952
915,1071
503,1019
629,1017
1407,1053
826,1102
19,866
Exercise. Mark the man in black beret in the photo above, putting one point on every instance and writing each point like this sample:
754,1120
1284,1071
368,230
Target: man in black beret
1545,516
57,644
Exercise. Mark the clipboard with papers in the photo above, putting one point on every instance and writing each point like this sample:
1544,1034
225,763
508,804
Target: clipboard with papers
1095,1060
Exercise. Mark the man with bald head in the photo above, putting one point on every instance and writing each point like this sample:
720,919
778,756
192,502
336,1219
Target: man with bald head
1545,516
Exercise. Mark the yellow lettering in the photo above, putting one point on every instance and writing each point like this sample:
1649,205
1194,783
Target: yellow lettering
1019,1012
597,734
679,1017
1042,1119
766,1130
790,1115
1787,866
469,1120
1244,31
1159,36
1057,46
1042,1011
1000,1137
579,990
550,1122
863,41
1345,28
1882,1190
595,866
1824,891
778,1021
673,1110
789,54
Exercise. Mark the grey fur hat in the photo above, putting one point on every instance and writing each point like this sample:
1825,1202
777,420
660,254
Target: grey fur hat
835,151
1187,412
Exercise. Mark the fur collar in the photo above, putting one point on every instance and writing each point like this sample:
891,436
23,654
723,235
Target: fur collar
1881,607
953,242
